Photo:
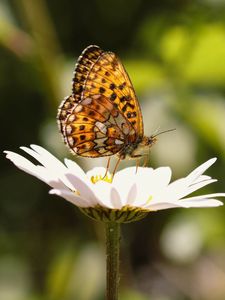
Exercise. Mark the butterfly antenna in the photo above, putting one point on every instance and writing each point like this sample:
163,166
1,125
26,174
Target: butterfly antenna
156,130
161,132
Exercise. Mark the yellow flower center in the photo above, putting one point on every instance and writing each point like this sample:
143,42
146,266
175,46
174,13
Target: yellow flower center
149,199
107,178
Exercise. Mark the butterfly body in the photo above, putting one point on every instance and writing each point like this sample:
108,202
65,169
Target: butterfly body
102,117
137,149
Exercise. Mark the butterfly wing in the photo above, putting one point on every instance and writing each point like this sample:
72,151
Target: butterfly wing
103,73
95,128
82,69
103,112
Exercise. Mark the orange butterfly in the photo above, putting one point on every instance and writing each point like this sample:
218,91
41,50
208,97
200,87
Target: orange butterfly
102,117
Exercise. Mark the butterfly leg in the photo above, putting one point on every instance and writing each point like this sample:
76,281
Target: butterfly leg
107,167
137,165
137,160
146,158
116,166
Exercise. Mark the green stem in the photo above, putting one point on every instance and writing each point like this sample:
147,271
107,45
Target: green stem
112,260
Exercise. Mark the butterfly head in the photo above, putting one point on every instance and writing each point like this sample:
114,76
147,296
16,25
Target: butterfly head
140,148
148,141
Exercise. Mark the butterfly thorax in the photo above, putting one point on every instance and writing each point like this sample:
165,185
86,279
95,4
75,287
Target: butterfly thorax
137,149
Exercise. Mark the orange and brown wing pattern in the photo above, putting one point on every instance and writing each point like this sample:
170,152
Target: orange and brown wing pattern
82,68
65,110
103,73
96,128
103,113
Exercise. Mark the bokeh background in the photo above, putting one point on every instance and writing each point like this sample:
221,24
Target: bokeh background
174,52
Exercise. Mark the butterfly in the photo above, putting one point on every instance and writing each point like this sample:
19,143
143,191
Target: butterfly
102,116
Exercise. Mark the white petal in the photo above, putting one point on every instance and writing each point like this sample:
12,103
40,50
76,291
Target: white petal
162,175
55,167
162,205
83,188
152,185
44,157
71,197
202,178
97,171
57,176
123,181
153,180
115,199
145,187
134,172
102,191
194,181
40,172
143,197
49,178
74,168
147,180
52,164
196,187
132,195
21,162
185,204
107,195
204,196
176,188
180,188
201,203
200,170
127,172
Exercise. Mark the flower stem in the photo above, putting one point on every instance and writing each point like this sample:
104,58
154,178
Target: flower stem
112,260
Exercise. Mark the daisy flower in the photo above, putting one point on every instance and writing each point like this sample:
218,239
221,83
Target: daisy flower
128,196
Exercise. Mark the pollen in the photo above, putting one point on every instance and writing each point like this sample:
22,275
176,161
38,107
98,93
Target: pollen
107,178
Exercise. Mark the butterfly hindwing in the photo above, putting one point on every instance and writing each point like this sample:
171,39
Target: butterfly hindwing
95,128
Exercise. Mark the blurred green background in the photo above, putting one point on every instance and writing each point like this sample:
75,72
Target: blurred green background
174,52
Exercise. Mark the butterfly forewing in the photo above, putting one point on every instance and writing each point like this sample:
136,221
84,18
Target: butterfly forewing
83,69
107,76
103,113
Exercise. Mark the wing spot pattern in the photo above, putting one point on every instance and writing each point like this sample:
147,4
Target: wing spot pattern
103,106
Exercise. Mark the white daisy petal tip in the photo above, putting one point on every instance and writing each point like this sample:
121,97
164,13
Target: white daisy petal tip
127,197
37,147
213,159
209,162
